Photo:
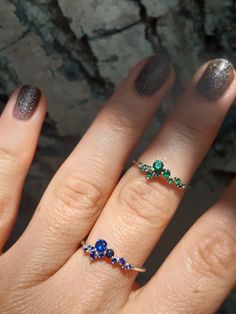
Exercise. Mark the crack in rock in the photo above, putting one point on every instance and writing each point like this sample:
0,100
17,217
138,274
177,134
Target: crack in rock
100,17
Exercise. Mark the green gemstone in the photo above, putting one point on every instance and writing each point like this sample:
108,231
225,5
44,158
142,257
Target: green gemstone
170,180
166,174
158,166
150,175
178,182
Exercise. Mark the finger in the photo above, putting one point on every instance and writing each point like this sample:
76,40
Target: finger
20,125
82,186
137,212
201,271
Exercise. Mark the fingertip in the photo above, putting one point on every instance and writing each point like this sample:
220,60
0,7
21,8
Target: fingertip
215,81
26,103
149,80
153,75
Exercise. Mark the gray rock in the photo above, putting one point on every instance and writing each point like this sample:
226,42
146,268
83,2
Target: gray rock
116,54
11,29
95,17
33,66
159,8
182,42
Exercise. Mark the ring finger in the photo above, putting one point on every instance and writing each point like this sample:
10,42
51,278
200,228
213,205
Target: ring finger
138,212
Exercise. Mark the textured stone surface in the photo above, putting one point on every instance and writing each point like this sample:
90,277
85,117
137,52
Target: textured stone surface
11,29
159,8
111,51
97,17
181,38
42,70
78,51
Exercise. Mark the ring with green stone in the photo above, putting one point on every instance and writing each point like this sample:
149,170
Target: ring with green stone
158,169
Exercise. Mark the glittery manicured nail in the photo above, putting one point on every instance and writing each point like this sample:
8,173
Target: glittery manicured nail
153,75
27,102
216,79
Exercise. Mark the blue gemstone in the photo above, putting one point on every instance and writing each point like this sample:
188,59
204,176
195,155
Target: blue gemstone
100,255
114,260
92,255
92,249
109,253
122,261
128,266
101,245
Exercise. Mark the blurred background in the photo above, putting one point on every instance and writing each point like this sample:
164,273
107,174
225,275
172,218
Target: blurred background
78,51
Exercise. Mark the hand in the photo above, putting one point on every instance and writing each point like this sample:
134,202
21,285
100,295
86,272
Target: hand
46,271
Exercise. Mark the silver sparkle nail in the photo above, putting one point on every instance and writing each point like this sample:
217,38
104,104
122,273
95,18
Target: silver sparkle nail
216,79
27,102
153,75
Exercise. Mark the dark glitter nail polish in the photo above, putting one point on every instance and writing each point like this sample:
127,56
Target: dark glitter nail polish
153,75
216,79
27,102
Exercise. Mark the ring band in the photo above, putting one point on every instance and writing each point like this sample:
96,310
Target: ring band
100,250
158,169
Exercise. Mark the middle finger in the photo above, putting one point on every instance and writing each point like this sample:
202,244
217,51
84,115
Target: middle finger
81,187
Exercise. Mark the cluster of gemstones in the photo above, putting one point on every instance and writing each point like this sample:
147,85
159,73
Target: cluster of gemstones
158,169
100,250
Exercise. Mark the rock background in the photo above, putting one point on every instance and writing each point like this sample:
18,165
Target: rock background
78,51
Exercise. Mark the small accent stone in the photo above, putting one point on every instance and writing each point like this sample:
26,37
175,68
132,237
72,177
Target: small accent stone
170,180
128,266
166,173
150,175
85,248
101,245
122,261
158,166
114,260
92,255
109,253
143,168
177,181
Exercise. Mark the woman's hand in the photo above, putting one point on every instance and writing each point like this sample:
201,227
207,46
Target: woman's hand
46,271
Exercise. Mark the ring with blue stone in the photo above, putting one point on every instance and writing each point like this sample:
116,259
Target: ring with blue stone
100,250
158,169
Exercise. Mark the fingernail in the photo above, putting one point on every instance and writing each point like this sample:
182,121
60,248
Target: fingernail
216,79
153,75
27,102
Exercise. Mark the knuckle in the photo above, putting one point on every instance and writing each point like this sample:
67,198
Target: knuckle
120,122
148,201
121,125
214,254
7,158
12,160
77,195
187,130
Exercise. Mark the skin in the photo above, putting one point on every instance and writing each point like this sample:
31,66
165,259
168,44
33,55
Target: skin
46,270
